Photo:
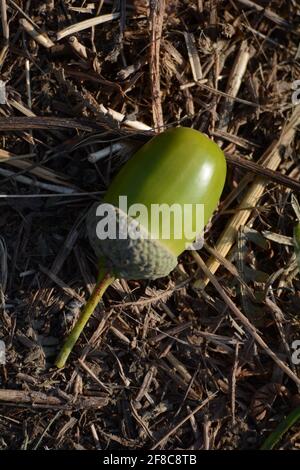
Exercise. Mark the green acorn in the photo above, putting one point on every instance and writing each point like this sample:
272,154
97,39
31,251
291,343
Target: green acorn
180,168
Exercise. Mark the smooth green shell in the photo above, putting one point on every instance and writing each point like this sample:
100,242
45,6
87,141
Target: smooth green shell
179,166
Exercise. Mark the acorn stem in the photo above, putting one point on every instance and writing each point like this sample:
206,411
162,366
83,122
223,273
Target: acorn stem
103,282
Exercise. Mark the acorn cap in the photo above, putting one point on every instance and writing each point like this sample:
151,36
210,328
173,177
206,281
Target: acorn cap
132,254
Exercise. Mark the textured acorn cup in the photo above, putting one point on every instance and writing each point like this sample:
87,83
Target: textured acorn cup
126,257
180,166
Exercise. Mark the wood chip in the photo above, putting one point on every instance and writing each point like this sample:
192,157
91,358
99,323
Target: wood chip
193,56
85,24
41,38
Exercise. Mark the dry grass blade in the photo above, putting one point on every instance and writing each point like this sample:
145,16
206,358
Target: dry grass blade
21,123
5,27
267,173
5,30
67,290
120,118
29,182
75,28
3,265
146,384
91,373
78,195
40,172
95,437
228,97
192,413
230,268
41,38
297,243
239,141
233,84
193,56
24,14
110,150
43,400
157,15
6,156
271,15
20,107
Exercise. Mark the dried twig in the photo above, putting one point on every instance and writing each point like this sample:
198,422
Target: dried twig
192,413
233,84
24,14
40,171
3,265
75,28
95,437
4,22
146,384
91,373
233,383
30,182
5,30
41,38
193,56
105,152
39,399
21,123
157,15
265,172
121,118
271,15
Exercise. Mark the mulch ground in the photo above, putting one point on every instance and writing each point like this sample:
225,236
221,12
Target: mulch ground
184,362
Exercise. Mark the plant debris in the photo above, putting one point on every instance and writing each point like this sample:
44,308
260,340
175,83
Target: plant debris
207,357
